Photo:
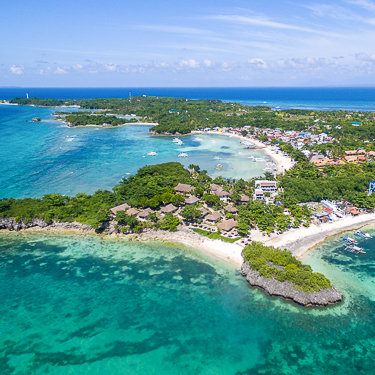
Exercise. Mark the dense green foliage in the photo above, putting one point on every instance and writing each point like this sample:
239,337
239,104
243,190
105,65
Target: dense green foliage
79,119
263,259
150,187
348,182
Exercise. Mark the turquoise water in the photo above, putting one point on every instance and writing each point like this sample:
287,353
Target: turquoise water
47,157
81,305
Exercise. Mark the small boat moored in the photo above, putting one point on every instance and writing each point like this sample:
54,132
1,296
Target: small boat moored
361,234
349,240
355,249
183,155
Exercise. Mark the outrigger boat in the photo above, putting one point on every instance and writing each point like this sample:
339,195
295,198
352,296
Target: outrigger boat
355,249
361,234
349,240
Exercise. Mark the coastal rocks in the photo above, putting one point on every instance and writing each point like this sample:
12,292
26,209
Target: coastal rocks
11,224
286,290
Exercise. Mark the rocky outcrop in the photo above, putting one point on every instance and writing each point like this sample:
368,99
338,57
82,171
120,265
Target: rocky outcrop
286,290
11,224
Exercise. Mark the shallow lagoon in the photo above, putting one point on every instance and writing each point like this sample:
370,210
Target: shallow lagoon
82,305
47,157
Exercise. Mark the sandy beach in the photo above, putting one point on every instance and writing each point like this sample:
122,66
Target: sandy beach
301,240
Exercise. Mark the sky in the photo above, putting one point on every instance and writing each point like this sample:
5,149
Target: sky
247,43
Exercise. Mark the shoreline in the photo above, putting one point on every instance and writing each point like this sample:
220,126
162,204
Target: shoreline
301,240
229,252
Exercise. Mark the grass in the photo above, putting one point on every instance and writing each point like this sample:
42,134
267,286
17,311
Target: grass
215,235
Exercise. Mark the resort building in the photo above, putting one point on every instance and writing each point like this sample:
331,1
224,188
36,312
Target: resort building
214,217
266,186
231,209
184,188
121,207
204,212
258,194
169,209
227,225
244,199
131,211
192,200
143,215
223,195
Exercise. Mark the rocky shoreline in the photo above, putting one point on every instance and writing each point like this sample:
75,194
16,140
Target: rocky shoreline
275,288
11,225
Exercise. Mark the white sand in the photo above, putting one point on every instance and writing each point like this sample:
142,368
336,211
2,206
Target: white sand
301,240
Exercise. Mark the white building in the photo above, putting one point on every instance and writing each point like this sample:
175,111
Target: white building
266,186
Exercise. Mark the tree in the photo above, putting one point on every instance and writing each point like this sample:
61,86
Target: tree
244,133
190,212
169,223
243,228
211,199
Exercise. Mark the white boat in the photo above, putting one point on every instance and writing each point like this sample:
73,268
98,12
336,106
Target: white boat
361,234
183,155
217,158
239,153
212,141
152,153
270,164
251,157
268,169
198,139
179,143
176,140
259,160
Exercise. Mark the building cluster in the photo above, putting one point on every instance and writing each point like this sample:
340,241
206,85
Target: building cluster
351,156
210,220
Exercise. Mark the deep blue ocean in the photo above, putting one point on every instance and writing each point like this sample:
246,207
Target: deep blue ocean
346,98
75,304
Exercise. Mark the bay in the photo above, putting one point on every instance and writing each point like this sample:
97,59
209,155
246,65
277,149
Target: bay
47,157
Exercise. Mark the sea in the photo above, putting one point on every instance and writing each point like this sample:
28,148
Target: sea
80,304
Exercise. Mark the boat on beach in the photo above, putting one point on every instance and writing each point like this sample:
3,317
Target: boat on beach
361,234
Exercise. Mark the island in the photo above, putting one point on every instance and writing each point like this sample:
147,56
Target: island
319,182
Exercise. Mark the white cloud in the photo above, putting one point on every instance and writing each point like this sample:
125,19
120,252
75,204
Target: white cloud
191,63
369,5
208,63
60,71
257,63
265,22
111,67
365,57
17,69
161,64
